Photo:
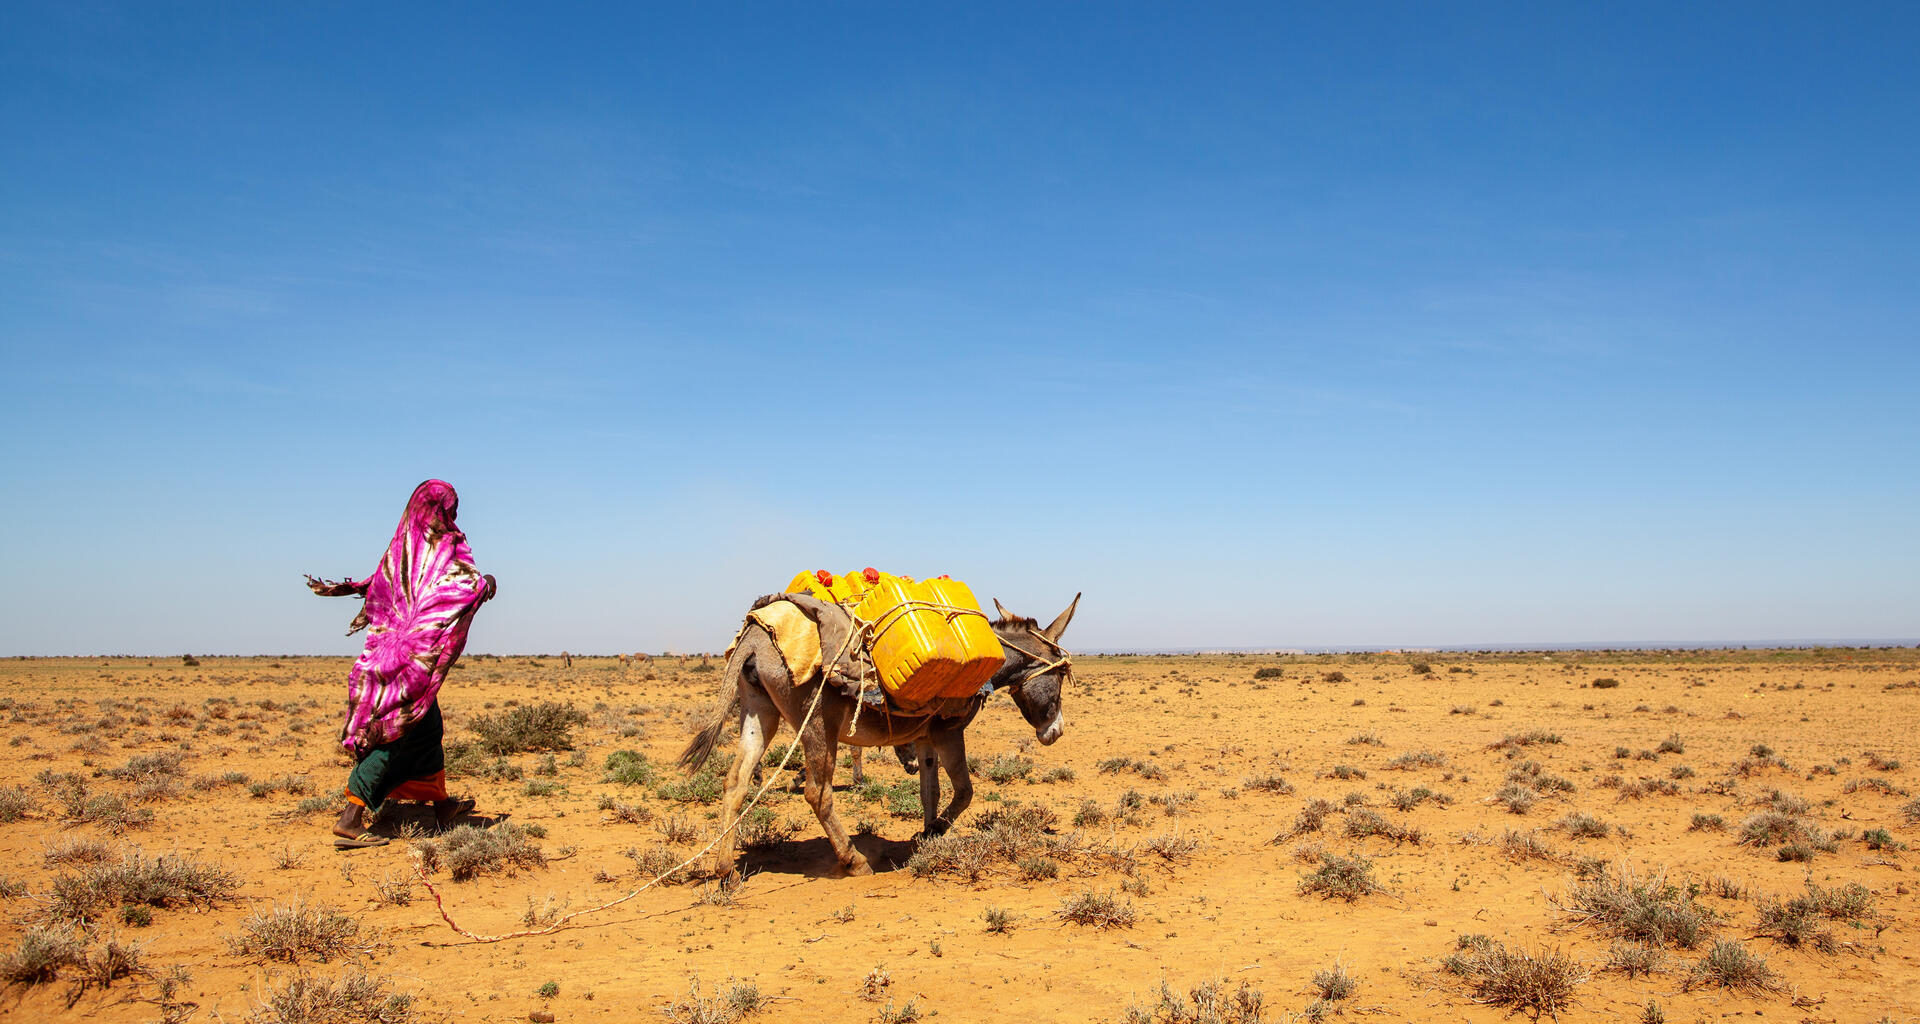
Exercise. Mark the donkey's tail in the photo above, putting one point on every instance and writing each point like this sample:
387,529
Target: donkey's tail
728,705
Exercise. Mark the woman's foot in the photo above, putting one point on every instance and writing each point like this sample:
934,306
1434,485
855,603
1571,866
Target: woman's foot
351,824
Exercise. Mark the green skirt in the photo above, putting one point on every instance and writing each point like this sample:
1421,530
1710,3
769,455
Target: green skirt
412,767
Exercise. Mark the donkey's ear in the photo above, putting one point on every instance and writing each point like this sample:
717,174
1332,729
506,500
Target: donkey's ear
1002,609
1059,625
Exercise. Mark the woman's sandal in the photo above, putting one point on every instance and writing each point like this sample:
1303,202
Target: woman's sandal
360,842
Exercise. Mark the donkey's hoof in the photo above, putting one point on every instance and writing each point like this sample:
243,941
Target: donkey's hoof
858,866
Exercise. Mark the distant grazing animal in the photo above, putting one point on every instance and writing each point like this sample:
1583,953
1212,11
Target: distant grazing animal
757,686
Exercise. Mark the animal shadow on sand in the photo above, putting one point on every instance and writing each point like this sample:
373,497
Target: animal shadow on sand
814,858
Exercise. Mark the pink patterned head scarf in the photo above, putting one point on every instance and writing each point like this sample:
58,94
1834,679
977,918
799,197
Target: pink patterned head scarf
419,606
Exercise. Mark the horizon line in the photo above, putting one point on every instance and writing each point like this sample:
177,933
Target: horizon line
1275,649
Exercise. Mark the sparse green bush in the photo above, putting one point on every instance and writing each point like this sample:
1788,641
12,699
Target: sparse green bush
705,786
545,726
1005,768
628,768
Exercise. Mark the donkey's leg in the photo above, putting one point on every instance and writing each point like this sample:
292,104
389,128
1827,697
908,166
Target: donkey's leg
821,744
950,749
759,720
859,764
929,792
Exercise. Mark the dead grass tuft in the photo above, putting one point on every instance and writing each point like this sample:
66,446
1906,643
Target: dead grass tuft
467,851
352,998
735,999
1098,909
1211,1003
166,881
295,931
1532,983
1346,878
1645,910
1729,965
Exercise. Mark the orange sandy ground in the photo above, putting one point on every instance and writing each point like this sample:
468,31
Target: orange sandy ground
1231,911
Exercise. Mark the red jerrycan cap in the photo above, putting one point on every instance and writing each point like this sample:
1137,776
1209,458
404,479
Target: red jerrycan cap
872,574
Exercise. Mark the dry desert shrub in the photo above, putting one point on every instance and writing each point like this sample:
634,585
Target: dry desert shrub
1211,1003
467,851
1798,922
1171,846
1532,983
1514,741
166,881
761,827
1334,983
1416,759
15,803
1517,799
1648,910
41,955
1099,909
657,861
735,999
295,931
1526,846
1005,768
1364,823
1729,965
1796,838
1408,799
1346,878
352,998
77,851
1581,825
1267,784
1635,960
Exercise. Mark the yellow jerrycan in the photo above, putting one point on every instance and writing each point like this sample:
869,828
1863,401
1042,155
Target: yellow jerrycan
980,651
915,652
854,585
818,583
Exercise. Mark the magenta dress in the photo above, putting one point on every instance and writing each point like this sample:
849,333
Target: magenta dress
419,606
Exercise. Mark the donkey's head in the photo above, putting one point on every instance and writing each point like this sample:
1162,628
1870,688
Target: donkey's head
1036,669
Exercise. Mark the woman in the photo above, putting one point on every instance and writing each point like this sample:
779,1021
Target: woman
419,606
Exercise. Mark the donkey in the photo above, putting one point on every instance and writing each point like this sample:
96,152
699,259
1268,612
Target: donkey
758,685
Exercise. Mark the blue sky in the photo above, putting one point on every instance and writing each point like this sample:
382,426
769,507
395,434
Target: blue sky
1345,325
